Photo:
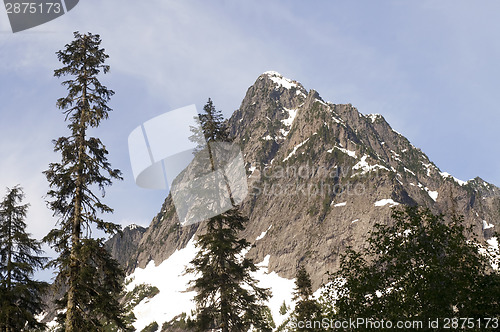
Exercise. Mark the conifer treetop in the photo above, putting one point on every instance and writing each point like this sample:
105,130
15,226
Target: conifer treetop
85,60
20,257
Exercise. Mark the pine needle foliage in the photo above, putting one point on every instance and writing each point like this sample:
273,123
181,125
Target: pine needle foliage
93,279
307,313
20,294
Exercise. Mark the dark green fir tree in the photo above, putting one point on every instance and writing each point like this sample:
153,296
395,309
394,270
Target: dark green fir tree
423,266
92,278
20,294
228,298
307,313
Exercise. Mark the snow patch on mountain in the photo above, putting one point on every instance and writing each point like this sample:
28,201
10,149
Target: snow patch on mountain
348,152
321,102
409,171
288,121
396,156
295,149
261,236
486,225
428,167
281,288
280,81
265,262
491,252
298,92
373,117
495,254
251,169
291,116
386,201
337,120
133,226
448,175
41,316
53,324
493,242
365,167
432,194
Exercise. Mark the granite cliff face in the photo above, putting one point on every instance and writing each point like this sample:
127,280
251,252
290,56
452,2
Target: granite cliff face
320,175
123,247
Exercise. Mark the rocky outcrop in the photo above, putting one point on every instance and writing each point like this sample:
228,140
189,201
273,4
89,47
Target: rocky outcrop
124,246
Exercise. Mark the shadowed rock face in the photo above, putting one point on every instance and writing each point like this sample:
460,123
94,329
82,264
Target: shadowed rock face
320,175
124,247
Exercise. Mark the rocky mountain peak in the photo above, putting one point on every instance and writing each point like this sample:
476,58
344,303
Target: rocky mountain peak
320,175
280,81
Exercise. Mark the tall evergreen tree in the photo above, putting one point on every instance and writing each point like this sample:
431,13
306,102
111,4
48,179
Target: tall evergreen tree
93,279
20,295
307,313
228,298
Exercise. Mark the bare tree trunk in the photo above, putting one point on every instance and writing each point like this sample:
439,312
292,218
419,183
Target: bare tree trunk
74,264
223,300
73,268
77,222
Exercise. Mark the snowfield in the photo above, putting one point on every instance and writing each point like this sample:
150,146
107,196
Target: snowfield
173,299
387,201
170,279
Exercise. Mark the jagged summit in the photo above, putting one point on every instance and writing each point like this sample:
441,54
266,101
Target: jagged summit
272,73
374,117
133,226
282,82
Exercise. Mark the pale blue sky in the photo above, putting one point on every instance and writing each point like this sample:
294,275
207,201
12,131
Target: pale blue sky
431,68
